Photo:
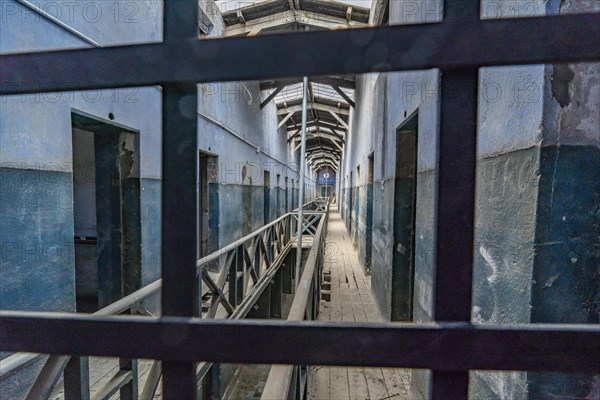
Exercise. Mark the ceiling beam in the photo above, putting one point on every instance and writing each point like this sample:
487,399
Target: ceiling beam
323,156
322,164
325,80
325,148
338,130
272,96
339,119
377,13
344,95
288,17
321,149
284,120
320,135
313,106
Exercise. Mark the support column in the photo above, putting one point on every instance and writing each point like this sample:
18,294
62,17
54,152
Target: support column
301,195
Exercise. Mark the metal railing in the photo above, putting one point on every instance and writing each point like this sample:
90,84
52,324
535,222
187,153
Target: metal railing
289,381
231,281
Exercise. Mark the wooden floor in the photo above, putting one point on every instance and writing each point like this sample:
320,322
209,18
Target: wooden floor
351,301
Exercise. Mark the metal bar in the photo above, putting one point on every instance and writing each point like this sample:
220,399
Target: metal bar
455,211
51,18
178,200
272,96
456,200
301,180
179,207
444,346
48,376
129,391
76,379
217,292
453,44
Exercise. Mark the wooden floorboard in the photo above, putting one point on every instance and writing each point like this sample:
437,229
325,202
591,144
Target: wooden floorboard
351,301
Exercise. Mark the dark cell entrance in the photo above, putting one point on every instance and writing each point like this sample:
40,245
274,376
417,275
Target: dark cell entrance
208,205
369,219
350,203
287,200
267,197
278,194
106,211
405,200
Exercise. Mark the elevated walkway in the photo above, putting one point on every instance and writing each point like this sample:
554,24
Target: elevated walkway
351,301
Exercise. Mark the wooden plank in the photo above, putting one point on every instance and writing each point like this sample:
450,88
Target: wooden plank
358,384
397,382
319,389
339,387
376,383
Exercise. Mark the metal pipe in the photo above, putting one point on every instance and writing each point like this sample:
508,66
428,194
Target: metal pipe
38,10
16,362
301,194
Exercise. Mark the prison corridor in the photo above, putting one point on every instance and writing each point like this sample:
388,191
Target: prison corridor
350,300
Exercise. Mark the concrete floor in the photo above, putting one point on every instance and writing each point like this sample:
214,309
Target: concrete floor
351,301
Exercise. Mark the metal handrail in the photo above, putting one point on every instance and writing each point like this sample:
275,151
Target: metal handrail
133,303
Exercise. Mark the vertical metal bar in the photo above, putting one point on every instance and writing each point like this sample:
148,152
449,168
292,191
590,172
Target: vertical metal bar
214,381
301,196
130,390
456,200
77,379
456,196
179,153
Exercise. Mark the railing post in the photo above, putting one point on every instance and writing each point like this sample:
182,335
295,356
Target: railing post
301,195
214,382
77,379
130,390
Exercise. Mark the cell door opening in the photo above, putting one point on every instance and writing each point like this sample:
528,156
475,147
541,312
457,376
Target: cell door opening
287,200
278,195
208,204
369,218
267,197
405,206
106,211
350,203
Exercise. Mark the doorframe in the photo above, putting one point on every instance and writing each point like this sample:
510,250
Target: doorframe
403,267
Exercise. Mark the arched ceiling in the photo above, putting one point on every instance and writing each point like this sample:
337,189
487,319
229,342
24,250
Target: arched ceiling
330,98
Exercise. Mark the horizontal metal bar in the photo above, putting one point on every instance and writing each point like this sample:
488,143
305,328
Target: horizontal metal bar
447,346
447,45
